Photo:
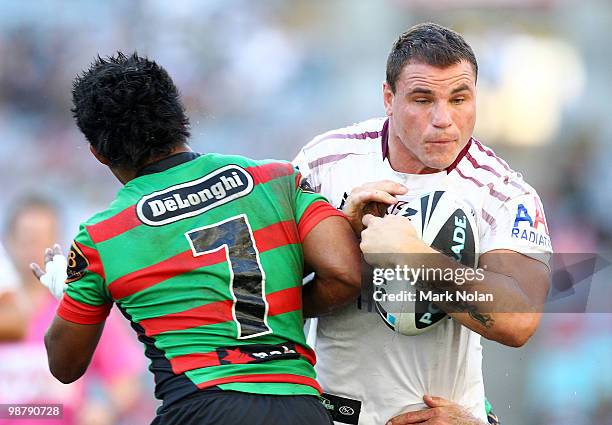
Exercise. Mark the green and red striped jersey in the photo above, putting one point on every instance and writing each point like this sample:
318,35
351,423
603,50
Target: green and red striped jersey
205,260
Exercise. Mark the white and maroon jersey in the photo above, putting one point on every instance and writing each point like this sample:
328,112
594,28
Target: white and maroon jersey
358,356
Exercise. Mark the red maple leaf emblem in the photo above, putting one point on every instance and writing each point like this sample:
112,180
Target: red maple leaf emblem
235,356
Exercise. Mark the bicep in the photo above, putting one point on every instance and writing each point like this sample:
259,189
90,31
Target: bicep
532,276
331,249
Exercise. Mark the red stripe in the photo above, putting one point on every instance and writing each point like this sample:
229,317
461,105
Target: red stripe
144,278
342,136
267,238
283,378
285,301
327,159
207,314
313,215
488,218
459,156
265,173
279,302
507,180
276,235
77,312
93,258
193,361
187,362
307,353
475,164
492,191
114,226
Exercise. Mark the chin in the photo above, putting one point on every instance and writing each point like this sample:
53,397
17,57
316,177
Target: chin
439,163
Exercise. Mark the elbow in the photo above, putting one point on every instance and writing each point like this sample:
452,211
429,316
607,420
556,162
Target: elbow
63,377
513,340
351,278
64,371
516,336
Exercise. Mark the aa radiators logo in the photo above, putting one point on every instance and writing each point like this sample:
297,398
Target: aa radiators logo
195,197
531,227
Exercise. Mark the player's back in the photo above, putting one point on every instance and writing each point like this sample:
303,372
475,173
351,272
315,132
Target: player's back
204,259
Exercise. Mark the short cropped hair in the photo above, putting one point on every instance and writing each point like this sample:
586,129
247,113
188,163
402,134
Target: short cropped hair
431,44
129,110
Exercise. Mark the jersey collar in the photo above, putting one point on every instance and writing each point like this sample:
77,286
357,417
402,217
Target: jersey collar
167,162
384,141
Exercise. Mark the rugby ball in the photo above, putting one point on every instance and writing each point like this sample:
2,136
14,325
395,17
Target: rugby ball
446,223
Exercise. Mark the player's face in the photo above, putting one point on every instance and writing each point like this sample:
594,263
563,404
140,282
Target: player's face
432,116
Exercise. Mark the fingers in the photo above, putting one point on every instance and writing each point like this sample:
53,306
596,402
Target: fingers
412,417
388,186
48,255
432,401
361,198
369,219
36,270
57,249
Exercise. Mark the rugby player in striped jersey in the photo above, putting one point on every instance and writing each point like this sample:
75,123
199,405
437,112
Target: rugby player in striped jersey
204,255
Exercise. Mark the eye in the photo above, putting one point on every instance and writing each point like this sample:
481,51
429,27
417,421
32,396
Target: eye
458,100
421,101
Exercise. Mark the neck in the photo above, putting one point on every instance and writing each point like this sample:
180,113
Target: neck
124,175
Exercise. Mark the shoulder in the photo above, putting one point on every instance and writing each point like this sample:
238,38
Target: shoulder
480,166
326,150
360,138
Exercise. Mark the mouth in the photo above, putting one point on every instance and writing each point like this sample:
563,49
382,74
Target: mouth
441,141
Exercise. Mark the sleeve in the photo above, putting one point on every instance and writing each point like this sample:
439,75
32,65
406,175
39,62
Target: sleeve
520,226
8,275
310,207
302,163
85,299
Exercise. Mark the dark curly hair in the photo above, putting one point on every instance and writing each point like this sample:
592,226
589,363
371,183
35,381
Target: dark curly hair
129,110
431,44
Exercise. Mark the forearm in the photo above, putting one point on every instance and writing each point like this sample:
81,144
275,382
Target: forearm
70,347
489,303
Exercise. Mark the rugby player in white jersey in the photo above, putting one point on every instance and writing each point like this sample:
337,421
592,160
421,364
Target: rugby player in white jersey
425,142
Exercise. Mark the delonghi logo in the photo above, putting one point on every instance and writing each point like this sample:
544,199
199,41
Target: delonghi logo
346,411
194,197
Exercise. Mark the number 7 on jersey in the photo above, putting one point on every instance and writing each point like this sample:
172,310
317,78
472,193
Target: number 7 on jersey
247,278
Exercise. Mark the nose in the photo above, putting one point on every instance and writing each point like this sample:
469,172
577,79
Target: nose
441,117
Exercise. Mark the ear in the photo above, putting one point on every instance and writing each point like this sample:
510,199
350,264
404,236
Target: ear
388,96
99,157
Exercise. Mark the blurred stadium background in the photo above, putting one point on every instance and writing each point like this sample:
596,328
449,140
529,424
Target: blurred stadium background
260,78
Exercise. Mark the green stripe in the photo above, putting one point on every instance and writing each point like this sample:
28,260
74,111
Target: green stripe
270,388
287,366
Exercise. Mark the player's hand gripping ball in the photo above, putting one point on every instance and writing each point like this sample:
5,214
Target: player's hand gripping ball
446,223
